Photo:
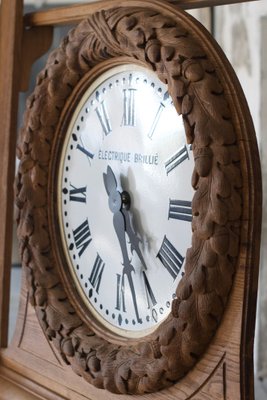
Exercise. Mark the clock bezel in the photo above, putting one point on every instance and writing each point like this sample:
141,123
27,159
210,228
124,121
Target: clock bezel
176,345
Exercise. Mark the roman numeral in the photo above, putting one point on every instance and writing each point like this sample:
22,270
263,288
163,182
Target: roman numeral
157,116
170,258
103,115
82,237
128,107
85,151
96,274
181,155
180,209
120,299
78,194
151,300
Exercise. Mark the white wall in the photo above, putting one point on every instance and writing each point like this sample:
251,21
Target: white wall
241,30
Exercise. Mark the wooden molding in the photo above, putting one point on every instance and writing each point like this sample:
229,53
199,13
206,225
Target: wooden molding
75,13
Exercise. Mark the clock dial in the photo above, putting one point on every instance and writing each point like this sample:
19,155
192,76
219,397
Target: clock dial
125,199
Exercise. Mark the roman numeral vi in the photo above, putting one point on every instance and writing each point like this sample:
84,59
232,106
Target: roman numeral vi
120,299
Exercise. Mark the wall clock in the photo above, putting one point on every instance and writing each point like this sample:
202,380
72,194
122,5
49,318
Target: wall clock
129,196
124,211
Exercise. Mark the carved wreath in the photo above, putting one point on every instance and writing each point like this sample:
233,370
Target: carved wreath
167,44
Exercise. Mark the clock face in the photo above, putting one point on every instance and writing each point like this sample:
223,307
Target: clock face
125,200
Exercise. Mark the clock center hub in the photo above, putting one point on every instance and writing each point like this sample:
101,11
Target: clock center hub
115,201
126,200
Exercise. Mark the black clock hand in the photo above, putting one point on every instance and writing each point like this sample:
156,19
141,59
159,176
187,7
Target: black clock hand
115,204
119,225
110,181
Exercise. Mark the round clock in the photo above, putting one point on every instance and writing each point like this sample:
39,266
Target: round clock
129,195
125,199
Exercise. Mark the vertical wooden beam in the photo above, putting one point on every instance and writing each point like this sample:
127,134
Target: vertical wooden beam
11,31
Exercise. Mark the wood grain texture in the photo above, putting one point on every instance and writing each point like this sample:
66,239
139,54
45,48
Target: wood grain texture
8,391
10,59
164,39
36,42
76,13
34,367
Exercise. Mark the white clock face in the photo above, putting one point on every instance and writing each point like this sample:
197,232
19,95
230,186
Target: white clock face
126,258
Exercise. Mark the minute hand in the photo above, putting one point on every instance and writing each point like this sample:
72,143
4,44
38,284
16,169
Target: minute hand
119,226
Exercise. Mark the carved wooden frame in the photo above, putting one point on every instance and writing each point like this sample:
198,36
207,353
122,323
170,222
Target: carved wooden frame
165,39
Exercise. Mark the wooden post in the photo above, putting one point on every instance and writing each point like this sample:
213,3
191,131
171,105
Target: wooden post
11,28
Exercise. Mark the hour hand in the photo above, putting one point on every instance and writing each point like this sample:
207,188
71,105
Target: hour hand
110,181
119,226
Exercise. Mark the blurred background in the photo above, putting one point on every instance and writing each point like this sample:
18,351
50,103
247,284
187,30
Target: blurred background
241,31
